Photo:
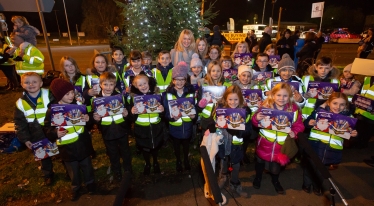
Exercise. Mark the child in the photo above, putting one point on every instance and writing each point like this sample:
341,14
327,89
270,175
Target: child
135,68
29,117
262,65
147,59
322,71
119,60
240,48
286,71
114,130
202,47
270,49
148,127
229,73
74,142
196,72
184,48
330,152
348,84
163,71
214,54
269,143
180,128
23,29
231,152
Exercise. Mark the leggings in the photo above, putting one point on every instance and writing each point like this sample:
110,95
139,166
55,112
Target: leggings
185,144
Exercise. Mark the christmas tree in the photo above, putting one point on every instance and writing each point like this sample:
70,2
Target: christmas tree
155,25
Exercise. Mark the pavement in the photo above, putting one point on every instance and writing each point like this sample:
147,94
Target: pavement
353,177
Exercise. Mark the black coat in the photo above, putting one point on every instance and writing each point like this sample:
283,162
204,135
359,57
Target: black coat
283,42
264,41
307,52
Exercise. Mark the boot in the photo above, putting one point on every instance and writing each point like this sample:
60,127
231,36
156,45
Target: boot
278,187
238,189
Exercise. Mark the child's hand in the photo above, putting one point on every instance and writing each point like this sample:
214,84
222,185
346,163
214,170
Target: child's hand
28,144
203,103
61,132
192,116
85,118
161,108
260,116
92,92
297,96
134,110
125,112
312,122
292,134
96,116
354,133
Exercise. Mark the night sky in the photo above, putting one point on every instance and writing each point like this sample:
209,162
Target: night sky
293,10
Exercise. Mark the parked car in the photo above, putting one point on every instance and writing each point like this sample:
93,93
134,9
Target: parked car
341,34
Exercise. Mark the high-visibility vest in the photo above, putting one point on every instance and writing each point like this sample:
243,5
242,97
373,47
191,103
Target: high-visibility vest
311,102
40,110
34,64
182,119
126,79
118,118
207,111
94,76
9,61
147,119
161,82
81,82
333,141
277,136
71,136
366,91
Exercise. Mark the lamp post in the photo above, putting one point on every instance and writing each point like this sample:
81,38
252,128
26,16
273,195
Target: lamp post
58,25
272,11
67,22
263,12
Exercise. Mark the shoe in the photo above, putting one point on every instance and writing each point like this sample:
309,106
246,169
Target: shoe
317,191
257,183
222,181
306,189
278,187
179,167
187,166
91,188
74,196
369,162
333,167
156,168
238,189
147,169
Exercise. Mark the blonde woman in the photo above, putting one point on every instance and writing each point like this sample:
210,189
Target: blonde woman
184,48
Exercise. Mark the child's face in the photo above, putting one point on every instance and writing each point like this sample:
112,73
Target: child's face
179,82
213,54
137,64
117,56
337,105
186,41
242,48
216,72
281,97
100,64
142,85
164,60
226,64
68,97
233,100
107,87
196,70
201,46
270,52
286,73
245,78
32,84
347,74
18,23
147,61
323,70
69,67
262,62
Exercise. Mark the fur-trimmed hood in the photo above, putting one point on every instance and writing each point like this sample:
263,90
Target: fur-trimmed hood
153,89
333,74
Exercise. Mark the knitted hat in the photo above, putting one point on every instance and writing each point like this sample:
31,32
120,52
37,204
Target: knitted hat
180,70
196,61
60,87
286,62
244,68
347,68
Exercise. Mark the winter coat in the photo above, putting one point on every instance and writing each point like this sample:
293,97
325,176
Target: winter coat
283,42
185,130
26,131
217,38
146,136
264,42
307,52
75,151
251,41
28,33
269,151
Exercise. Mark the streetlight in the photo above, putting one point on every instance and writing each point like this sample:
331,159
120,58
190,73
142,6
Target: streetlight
263,12
67,22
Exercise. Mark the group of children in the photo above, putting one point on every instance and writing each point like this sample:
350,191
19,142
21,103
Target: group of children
171,82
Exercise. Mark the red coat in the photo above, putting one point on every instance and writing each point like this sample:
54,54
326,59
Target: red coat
269,151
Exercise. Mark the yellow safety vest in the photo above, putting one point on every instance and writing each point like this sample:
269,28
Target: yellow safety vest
366,91
40,110
182,119
71,136
10,61
333,141
33,61
161,82
147,119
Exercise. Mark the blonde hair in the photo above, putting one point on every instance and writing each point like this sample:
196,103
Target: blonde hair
20,18
269,101
208,78
63,72
234,89
198,40
30,74
337,95
236,48
179,46
138,77
210,49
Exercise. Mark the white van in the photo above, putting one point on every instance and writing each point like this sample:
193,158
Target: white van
259,29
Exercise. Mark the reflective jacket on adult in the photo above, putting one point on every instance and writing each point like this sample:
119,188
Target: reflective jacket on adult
33,60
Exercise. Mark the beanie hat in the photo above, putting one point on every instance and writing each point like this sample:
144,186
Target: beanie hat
196,61
286,62
347,68
60,87
180,70
244,68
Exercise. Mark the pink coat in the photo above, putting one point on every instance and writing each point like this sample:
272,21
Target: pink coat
269,151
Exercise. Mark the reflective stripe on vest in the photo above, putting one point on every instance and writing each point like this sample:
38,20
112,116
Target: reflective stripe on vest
80,82
333,141
147,119
182,119
366,91
23,66
109,119
161,82
71,136
40,110
207,111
